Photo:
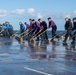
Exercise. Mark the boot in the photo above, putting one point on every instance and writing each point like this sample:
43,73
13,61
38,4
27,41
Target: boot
73,42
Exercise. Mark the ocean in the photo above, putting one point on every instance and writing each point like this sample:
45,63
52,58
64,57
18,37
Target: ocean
60,33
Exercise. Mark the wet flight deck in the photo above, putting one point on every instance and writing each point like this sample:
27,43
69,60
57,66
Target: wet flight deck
37,58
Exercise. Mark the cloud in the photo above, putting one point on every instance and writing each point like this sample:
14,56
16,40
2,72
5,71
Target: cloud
39,15
60,15
68,15
73,14
18,11
27,12
30,11
3,13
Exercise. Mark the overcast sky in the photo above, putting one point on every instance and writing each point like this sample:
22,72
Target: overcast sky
15,11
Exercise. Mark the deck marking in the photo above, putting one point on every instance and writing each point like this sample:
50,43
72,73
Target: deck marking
37,71
4,54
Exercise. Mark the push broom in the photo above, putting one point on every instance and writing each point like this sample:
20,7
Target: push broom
17,32
33,39
19,38
36,34
71,38
14,34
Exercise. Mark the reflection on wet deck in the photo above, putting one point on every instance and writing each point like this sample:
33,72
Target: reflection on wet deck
37,58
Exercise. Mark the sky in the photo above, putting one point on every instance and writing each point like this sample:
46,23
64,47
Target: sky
16,11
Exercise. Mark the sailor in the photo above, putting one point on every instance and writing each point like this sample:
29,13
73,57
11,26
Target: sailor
74,29
68,28
27,26
36,28
28,29
31,25
54,28
22,27
10,28
43,27
5,30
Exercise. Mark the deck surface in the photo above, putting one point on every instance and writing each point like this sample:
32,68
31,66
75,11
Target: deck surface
36,59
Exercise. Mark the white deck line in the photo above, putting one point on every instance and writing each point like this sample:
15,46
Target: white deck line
37,71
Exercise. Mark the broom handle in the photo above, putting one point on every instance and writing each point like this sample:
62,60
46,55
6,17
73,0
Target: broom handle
37,33
23,33
1,32
74,35
41,33
28,33
65,33
17,32
14,33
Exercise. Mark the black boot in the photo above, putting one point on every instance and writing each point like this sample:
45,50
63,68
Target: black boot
52,40
73,42
64,41
58,37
